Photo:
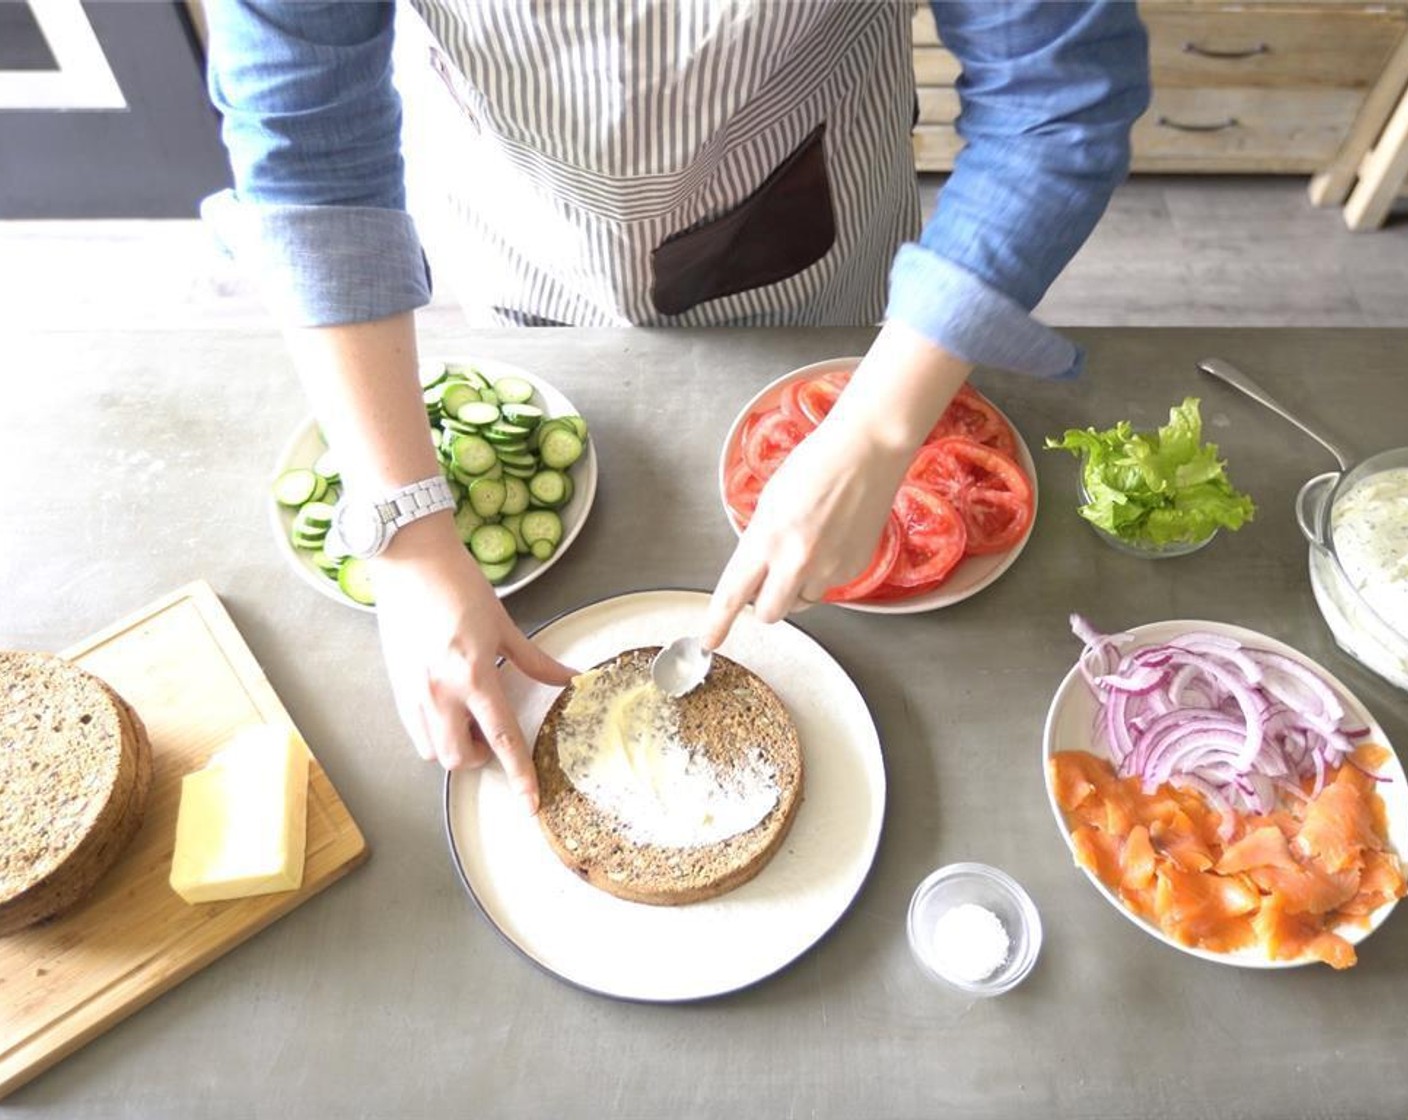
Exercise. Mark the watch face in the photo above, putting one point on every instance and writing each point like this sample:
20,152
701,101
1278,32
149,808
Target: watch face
360,528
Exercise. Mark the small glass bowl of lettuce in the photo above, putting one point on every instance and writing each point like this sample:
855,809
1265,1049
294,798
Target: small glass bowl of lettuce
1155,494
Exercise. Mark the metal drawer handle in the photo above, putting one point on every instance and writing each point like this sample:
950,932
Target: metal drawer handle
1212,52
1217,126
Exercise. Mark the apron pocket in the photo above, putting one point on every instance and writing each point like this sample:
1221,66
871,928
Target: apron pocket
784,226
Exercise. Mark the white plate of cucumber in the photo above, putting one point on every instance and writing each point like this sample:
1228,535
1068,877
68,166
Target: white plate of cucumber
519,458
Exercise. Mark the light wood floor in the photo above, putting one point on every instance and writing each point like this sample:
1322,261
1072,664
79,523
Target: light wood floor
1171,251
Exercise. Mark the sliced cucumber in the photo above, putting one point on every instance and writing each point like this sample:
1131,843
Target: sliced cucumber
467,373
466,521
315,513
466,479
515,495
325,467
502,432
560,448
525,415
513,390
458,427
507,461
502,444
472,454
517,458
308,542
478,413
513,522
308,527
497,573
548,488
540,525
355,579
325,562
457,394
574,424
492,544
296,486
433,396
486,496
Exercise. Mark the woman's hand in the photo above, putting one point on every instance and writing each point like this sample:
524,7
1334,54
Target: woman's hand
820,516
816,525
443,631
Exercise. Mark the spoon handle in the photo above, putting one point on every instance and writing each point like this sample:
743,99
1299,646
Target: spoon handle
1226,371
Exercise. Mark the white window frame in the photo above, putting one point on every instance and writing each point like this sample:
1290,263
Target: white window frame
83,79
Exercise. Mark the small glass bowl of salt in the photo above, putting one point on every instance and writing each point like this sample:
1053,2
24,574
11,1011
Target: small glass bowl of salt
974,927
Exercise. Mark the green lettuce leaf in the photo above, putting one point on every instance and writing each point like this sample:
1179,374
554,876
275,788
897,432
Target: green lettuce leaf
1157,487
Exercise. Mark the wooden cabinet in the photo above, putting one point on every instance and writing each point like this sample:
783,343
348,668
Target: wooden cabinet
1256,87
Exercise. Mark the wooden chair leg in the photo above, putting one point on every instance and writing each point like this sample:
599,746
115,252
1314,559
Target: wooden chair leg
1381,174
1331,186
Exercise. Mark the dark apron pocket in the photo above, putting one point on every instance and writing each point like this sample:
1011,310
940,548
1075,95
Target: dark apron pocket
784,226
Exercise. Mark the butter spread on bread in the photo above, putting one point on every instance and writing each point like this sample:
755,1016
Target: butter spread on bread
619,744
667,801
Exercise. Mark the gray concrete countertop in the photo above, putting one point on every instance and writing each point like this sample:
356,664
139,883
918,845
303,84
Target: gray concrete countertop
133,462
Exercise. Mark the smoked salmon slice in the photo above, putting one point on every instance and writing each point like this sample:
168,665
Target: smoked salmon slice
1265,846
1285,879
1339,824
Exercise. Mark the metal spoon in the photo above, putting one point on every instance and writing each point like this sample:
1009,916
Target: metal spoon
1225,371
681,666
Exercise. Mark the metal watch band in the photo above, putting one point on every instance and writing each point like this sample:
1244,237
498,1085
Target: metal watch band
419,499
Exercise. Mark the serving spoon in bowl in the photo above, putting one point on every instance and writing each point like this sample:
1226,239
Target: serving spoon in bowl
1226,371
681,666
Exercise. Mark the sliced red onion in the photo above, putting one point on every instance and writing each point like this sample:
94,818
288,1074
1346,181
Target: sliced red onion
1238,723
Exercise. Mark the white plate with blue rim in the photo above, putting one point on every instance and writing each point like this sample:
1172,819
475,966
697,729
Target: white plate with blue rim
1070,723
630,950
306,445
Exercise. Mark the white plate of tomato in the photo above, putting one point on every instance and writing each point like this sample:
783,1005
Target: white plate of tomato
959,520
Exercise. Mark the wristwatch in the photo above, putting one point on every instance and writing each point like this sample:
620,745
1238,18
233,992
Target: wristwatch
363,528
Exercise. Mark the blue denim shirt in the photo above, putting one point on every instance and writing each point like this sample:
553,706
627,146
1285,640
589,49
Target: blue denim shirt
1048,93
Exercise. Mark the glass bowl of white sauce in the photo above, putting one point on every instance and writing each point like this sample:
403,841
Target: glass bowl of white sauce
974,927
1357,525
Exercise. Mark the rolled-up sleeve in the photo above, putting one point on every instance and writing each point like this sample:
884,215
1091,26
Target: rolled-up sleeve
312,124
1048,94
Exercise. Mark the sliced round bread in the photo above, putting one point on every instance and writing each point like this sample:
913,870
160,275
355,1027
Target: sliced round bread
75,770
733,729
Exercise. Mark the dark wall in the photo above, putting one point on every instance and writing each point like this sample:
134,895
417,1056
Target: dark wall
155,159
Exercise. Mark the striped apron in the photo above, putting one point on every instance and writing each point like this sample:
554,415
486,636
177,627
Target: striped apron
660,162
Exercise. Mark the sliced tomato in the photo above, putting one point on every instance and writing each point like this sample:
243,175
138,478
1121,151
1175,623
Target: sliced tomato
741,490
877,572
996,520
991,491
790,403
972,416
939,471
770,440
932,536
818,396
889,592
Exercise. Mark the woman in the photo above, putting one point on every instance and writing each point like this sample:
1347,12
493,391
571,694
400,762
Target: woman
609,163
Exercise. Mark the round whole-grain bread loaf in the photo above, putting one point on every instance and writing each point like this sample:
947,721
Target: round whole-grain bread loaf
733,729
75,770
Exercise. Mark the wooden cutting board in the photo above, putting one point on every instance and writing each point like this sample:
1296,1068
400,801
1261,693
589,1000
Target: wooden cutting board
184,667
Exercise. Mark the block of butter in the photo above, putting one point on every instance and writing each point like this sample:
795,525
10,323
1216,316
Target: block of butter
242,826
